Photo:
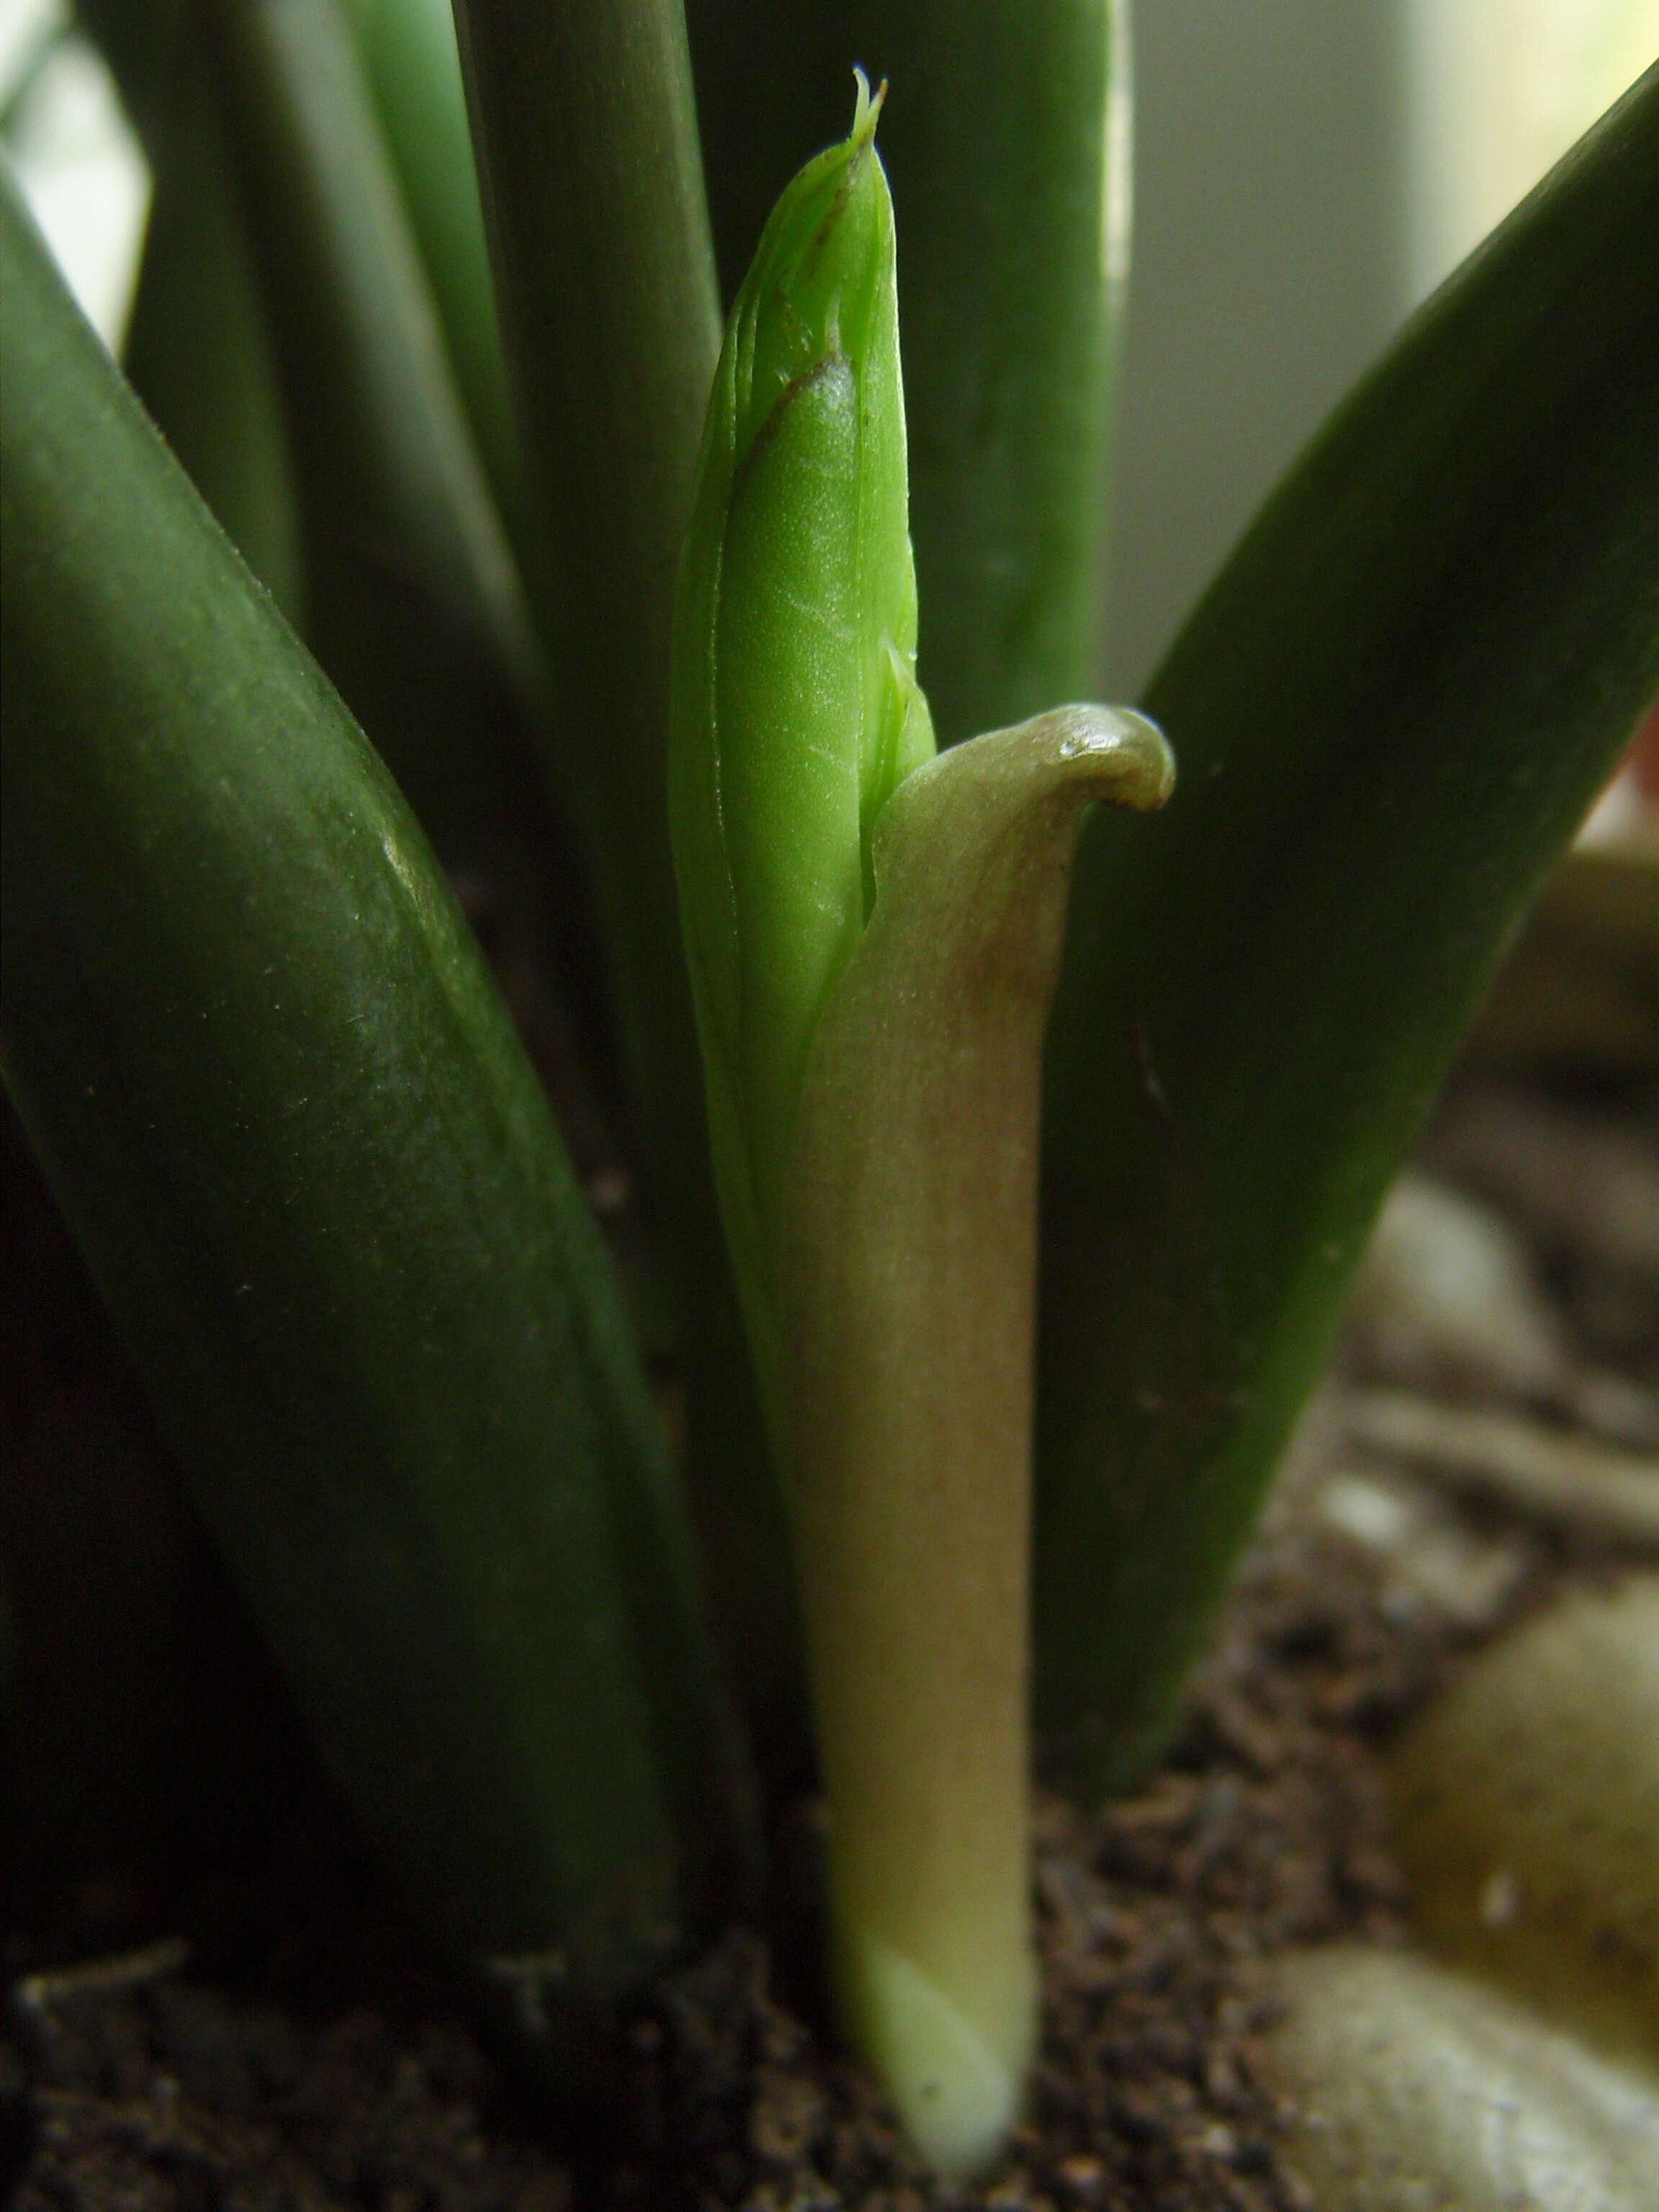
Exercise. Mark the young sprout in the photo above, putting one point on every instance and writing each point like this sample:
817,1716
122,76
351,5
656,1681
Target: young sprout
909,1306
795,707
874,936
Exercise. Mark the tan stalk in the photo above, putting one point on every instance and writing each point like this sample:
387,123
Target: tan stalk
908,1286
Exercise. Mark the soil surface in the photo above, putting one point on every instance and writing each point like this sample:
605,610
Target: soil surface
273,2039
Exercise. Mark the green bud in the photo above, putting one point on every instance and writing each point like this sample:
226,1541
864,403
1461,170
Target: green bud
795,707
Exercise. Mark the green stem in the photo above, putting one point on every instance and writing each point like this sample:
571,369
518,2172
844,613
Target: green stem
594,189
593,180
1007,144
416,608
414,68
1006,141
199,350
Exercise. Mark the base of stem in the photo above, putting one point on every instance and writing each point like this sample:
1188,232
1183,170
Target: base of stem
956,2084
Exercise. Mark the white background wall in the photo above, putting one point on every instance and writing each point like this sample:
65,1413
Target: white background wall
1305,170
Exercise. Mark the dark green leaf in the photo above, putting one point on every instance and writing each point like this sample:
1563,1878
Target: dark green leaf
287,1115
1390,713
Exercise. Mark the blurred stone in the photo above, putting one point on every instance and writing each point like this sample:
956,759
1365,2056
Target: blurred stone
1527,1803
1409,2089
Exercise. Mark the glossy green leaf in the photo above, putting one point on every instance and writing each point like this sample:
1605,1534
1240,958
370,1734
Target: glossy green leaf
287,1115
1391,711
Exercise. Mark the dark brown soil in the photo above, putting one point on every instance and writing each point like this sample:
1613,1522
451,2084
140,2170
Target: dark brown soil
283,2043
